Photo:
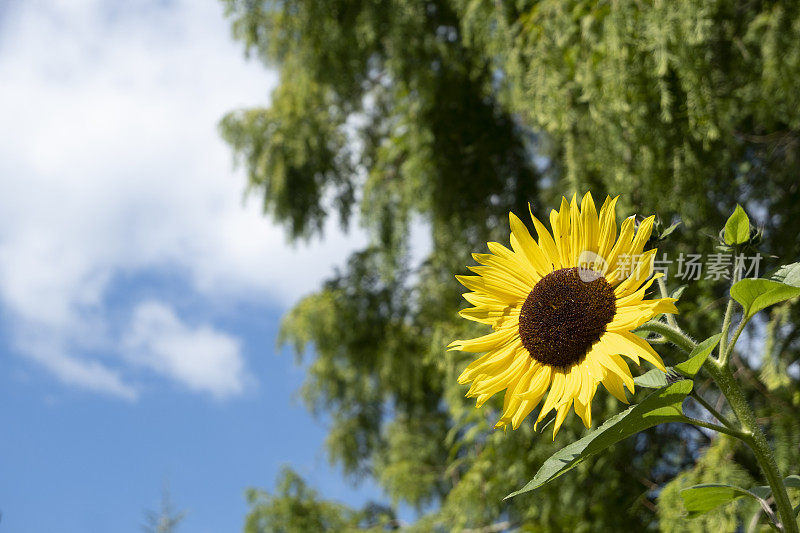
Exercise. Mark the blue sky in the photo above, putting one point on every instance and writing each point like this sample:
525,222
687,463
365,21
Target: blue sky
140,289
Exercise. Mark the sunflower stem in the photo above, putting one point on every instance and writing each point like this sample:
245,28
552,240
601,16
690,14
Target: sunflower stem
726,326
715,427
748,431
672,333
725,354
710,408
756,440
662,286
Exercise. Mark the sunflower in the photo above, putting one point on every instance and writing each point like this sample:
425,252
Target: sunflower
562,309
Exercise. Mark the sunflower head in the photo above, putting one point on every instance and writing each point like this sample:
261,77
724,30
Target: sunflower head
562,308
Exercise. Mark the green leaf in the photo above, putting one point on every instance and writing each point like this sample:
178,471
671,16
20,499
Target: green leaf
677,293
737,228
756,294
652,379
788,275
764,491
698,357
700,499
666,233
663,405
792,482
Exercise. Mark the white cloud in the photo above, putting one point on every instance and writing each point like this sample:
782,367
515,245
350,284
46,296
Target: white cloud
202,358
85,373
111,165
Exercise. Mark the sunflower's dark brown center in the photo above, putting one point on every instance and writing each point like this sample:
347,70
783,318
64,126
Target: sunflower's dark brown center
564,315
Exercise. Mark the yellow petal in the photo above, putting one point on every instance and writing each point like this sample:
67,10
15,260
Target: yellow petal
556,390
502,292
513,259
621,249
613,384
590,224
522,411
571,384
494,315
593,367
539,383
633,347
479,298
494,383
584,411
517,269
637,296
486,342
494,361
586,384
642,235
546,242
616,365
643,269
504,278
583,403
561,414
631,317
608,227
511,401
575,232
482,399
527,247
560,220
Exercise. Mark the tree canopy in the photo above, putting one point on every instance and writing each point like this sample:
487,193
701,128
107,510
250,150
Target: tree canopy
450,114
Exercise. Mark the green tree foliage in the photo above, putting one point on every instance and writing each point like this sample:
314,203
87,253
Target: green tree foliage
455,112
716,466
296,508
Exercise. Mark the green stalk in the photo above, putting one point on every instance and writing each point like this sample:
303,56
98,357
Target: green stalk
754,437
726,326
750,433
672,333
716,427
710,408
725,354
662,285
